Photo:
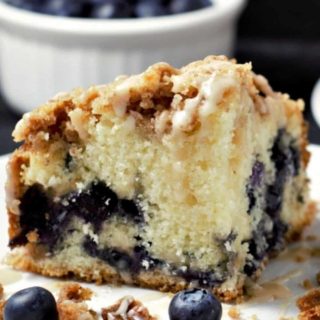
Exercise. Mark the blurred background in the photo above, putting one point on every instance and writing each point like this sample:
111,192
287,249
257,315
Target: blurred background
281,38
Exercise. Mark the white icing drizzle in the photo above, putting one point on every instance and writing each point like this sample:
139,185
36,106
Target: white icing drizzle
212,91
122,95
123,308
204,104
121,99
162,121
87,230
182,118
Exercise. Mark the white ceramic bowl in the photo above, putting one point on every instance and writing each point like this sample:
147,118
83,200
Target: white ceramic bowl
315,103
41,55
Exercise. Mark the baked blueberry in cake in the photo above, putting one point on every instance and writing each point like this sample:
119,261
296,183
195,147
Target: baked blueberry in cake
170,179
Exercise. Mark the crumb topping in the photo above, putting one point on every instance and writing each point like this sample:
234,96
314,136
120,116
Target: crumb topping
2,302
74,292
307,284
127,309
71,303
162,99
309,305
234,313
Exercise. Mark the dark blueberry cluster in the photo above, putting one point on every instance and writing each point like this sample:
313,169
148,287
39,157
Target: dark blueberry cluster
205,279
33,303
106,9
255,182
194,304
269,235
116,258
94,205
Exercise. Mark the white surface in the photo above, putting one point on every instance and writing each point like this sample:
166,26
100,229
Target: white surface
315,102
42,55
158,302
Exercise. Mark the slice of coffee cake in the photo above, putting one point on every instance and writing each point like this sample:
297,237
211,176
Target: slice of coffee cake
167,179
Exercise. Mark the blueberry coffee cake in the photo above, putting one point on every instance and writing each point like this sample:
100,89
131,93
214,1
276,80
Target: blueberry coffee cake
170,179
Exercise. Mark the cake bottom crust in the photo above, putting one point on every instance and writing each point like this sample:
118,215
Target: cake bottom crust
31,258
100,273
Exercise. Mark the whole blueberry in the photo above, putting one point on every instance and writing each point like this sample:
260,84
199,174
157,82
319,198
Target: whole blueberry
194,304
180,6
33,303
112,9
147,8
32,5
70,8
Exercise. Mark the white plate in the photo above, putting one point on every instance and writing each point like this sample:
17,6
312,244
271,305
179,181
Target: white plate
267,309
315,102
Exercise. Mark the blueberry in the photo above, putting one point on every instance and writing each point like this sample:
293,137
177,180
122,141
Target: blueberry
32,5
70,8
130,209
255,182
180,6
147,8
112,9
194,304
33,303
257,174
116,258
34,204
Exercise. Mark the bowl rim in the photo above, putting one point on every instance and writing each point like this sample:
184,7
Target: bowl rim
86,26
315,102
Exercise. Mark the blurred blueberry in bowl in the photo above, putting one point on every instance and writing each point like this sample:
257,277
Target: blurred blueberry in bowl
49,46
110,9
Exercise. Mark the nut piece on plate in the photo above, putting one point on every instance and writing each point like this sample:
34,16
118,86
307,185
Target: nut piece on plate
2,302
127,308
71,303
309,305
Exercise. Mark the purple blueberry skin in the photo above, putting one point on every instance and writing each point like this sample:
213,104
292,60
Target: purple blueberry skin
195,304
110,9
33,303
286,159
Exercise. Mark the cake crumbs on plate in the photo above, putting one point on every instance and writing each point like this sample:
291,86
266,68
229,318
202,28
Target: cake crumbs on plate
127,308
307,284
74,292
311,237
234,313
71,303
2,302
309,305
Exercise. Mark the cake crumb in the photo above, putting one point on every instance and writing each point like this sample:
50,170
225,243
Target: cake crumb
311,237
307,284
71,303
309,305
127,308
33,236
234,313
318,277
74,292
2,302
